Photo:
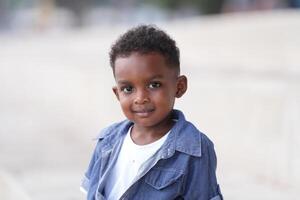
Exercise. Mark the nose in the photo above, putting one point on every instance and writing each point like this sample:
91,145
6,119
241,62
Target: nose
141,97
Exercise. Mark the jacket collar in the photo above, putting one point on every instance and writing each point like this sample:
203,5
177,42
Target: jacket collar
184,136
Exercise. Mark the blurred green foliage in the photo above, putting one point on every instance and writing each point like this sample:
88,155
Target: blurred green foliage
203,6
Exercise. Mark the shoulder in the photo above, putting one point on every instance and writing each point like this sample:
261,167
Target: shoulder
206,142
109,130
190,140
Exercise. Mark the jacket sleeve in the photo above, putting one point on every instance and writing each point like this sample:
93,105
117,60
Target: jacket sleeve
212,167
86,180
90,174
201,183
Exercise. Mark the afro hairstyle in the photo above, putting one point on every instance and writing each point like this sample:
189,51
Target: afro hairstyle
146,39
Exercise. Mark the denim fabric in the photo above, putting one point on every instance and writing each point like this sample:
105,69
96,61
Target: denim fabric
183,168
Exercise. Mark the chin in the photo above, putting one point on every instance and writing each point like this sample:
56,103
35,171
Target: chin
144,123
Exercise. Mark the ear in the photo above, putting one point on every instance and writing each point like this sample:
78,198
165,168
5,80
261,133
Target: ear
115,90
181,86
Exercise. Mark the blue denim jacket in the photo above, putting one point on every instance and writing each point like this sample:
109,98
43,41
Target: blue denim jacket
183,168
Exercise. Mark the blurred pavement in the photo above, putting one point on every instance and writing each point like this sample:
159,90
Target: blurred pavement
244,83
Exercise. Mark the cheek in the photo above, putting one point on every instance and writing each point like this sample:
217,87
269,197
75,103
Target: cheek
124,101
164,97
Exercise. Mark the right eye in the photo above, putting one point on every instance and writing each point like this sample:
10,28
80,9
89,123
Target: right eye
127,89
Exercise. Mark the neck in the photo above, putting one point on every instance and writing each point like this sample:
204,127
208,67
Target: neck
146,135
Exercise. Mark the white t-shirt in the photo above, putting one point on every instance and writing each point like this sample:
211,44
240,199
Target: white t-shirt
130,159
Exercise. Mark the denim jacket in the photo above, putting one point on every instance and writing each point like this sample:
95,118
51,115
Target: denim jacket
183,168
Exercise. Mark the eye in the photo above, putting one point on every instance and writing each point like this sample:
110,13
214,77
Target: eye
154,85
127,89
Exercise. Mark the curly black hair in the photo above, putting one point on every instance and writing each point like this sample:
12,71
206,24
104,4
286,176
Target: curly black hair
145,39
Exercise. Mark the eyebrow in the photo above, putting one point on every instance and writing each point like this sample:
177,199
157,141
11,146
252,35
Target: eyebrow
156,77
123,82
151,78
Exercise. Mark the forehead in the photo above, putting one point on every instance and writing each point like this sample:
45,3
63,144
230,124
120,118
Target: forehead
142,65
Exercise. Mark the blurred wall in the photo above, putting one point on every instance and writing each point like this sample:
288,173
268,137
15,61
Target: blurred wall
243,93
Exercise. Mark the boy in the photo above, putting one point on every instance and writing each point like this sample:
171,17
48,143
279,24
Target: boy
155,153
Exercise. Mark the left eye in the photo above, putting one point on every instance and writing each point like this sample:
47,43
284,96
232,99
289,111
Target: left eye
154,85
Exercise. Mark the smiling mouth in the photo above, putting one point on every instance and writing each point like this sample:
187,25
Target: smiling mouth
143,113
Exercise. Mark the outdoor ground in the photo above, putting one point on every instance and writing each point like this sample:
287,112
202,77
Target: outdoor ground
244,83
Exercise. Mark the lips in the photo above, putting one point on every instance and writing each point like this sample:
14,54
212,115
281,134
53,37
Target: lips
143,112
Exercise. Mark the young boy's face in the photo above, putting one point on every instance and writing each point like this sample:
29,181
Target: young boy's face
147,88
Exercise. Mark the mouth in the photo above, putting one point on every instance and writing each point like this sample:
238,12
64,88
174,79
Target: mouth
143,112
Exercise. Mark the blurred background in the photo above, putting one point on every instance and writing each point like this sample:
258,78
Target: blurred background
243,64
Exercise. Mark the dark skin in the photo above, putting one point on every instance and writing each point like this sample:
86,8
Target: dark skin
146,89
